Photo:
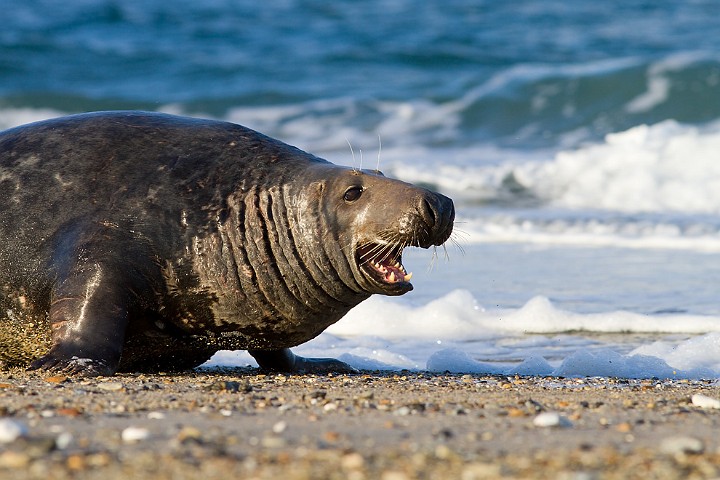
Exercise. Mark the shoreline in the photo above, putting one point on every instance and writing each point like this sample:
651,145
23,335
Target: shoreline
235,422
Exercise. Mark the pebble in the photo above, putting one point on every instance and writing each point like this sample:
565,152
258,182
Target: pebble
402,411
285,407
623,427
188,434
110,386
551,419
230,386
481,470
11,430
367,395
98,460
681,444
352,461
394,475
279,427
134,434
278,446
273,442
63,440
703,401
317,394
68,412
75,462
516,412
443,452
12,459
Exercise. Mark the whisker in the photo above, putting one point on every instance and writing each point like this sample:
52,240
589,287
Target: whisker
380,251
377,168
433,259
349,245
398,252
458,246
352,152
462,234
375,251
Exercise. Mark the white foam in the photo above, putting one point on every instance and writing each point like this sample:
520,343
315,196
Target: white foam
698,352
648,187
602,362
660,168
458,317
667,167
455,334
681,233
457,322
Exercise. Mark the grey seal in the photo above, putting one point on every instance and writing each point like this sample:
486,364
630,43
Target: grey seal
137,241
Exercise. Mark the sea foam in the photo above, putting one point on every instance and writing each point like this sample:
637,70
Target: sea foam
455,334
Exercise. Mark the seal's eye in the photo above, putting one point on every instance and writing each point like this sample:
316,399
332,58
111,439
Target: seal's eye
353,193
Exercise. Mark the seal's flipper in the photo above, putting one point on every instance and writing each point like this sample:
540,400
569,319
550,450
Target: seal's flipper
65,359
88,317
285,361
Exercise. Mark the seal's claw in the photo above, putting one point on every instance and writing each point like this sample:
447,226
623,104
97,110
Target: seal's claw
285,361
57,363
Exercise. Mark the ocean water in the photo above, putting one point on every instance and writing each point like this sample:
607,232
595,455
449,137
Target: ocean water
580,142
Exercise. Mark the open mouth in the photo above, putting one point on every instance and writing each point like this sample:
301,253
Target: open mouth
383,264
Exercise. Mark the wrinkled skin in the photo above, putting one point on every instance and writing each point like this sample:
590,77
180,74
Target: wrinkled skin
143,241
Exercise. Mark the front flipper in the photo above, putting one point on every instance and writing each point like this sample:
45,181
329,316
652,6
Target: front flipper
287,362
88,317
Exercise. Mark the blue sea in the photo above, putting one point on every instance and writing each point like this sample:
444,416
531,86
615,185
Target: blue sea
580,142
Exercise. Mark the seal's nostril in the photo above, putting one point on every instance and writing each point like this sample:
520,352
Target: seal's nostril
447,207
429,212
438,214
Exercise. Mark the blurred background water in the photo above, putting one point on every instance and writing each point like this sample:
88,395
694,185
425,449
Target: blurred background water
580,140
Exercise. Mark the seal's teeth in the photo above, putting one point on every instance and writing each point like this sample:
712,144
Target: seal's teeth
391,277
407,277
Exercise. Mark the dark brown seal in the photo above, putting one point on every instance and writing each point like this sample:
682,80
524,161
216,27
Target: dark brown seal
144,241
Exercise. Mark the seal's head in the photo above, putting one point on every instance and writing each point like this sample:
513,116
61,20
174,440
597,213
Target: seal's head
379,217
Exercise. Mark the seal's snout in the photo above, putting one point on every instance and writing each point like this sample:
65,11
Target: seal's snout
417,218
438,213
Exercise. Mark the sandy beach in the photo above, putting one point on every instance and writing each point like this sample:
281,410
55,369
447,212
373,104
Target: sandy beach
392,426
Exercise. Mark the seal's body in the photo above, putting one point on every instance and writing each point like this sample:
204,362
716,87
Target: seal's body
142,241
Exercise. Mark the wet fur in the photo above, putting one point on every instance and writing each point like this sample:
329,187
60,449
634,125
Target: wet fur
143,241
